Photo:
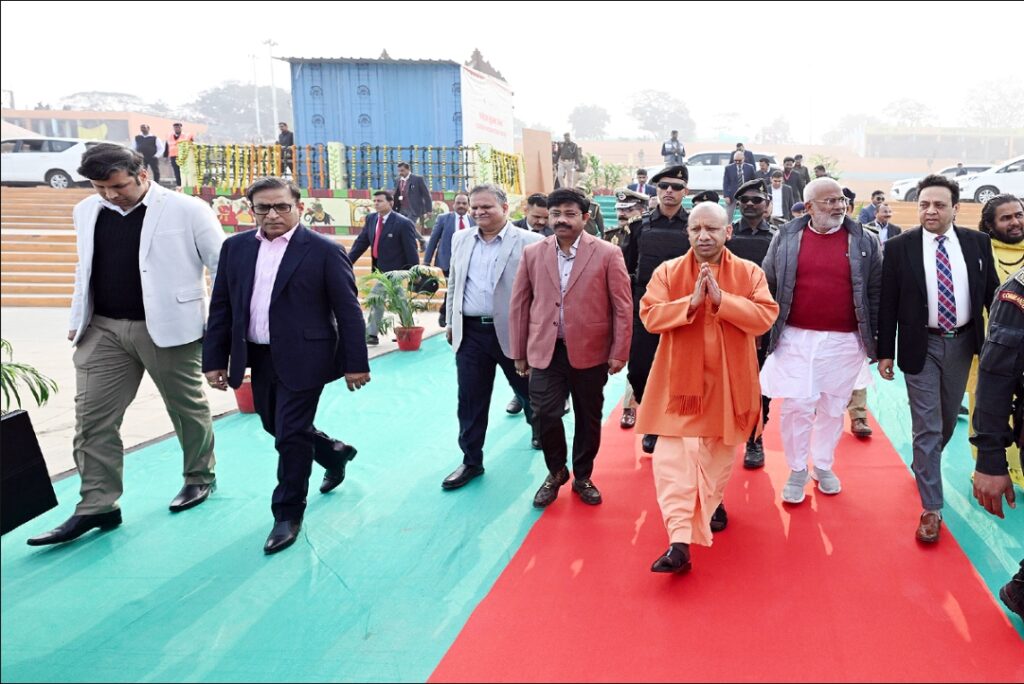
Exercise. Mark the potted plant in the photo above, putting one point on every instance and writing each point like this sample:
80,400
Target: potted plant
401,294
27,491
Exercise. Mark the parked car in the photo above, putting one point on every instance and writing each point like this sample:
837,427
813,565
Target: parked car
50,161
906,189
707,169
1005,177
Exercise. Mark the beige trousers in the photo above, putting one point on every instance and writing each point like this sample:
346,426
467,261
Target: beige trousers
628,398
858,406
109,362
690,475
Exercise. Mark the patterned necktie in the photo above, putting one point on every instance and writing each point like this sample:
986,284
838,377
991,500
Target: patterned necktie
946,300
376,237
461,223
741,174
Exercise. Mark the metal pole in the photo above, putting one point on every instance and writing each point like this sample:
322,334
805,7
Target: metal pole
273,91
256,98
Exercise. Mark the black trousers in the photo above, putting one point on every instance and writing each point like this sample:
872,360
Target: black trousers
444,300
548,389
478,357
288,416
177,171
154,165
641,358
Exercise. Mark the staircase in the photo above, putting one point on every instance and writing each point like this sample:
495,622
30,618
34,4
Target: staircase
37,247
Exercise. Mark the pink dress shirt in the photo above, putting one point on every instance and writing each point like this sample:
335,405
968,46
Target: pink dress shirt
269,260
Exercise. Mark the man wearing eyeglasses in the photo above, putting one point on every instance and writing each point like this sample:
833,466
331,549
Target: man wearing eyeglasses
285,305
751,236
660,236
816,352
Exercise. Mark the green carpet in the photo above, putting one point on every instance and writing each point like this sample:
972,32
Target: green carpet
385,574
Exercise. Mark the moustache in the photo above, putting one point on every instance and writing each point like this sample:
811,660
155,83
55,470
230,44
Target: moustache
562,225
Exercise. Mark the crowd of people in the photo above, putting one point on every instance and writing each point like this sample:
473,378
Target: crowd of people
711,318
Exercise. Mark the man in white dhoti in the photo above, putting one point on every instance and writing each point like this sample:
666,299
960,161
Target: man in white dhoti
825,271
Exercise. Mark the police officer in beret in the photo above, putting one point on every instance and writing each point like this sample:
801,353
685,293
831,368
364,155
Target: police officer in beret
850,196
630,206
751,236
999,412
660,236
706,196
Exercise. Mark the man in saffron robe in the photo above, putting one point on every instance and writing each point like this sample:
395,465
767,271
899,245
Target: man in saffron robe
703,397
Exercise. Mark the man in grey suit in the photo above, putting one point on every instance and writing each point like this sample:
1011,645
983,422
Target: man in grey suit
439,248
483,268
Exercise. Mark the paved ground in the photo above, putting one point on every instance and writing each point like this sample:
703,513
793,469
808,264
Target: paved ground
39,337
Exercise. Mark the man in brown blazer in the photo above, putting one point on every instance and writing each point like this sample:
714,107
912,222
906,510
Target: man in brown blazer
570,324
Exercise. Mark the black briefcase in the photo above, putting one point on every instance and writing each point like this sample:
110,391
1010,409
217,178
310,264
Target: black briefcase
26,491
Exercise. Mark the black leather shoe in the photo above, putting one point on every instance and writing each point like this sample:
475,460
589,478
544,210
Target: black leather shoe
283,535
514,406
548,491
589,494
719,519
628,419
77,525
372,340
335,476
648,443
676,559
461,476
191,495
753,457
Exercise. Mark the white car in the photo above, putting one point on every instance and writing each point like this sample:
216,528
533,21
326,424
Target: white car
906,189
707,169
1005,177
53,161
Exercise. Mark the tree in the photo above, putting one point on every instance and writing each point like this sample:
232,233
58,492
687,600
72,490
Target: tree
850,126
230,111
995,104
906,113
589,121
659,112
776,133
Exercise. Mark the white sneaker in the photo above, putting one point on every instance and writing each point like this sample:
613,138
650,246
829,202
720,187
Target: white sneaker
827,481
793,492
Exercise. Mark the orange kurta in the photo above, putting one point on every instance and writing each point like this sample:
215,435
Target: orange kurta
748,308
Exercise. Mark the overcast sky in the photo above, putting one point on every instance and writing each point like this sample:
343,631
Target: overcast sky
743,63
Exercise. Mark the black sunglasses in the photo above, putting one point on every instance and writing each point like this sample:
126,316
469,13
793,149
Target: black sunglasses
747,199
665,185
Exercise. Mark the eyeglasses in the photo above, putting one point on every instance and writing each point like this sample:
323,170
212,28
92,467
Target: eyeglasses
831,201
571,215
665,185
747,199
264,209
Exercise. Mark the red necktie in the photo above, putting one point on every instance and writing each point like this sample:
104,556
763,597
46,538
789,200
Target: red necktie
376,238
401,189
461,224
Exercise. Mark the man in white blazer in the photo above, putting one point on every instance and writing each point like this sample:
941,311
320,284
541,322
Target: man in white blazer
483,267
139,306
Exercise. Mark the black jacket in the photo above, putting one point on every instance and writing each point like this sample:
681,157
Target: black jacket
397,247
525,225
904,306
416,201
316,325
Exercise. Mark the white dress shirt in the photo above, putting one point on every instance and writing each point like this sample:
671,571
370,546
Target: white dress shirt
565,263
478,296
961,290
777,202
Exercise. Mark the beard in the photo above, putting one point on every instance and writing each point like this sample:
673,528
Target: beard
825,222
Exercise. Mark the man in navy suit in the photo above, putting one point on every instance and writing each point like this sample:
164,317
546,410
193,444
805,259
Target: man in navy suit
439,249
412,197
736,174
642,186
285,304
391,239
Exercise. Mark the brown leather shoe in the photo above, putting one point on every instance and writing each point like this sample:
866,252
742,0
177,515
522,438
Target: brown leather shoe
928,529
628,419
860,428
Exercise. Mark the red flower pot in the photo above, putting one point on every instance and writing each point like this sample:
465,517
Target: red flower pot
409,339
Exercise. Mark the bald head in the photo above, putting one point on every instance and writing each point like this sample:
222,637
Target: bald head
709,212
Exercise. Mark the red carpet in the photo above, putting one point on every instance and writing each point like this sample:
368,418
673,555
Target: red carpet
834,589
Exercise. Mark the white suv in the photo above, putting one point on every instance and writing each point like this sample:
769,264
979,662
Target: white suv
53,161
707,169
1005,177
906,189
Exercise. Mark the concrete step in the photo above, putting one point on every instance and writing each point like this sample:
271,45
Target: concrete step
37,258
38,268
42,247
37,289
54,302
61,219
34,225
27,278
37,237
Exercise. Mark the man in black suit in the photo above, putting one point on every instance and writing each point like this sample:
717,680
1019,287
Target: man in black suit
412,197
536,218
285,304
937,278
391,239
793,177
781,196
881,225
641,185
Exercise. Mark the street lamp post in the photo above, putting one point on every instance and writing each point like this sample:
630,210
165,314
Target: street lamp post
256,98
273,90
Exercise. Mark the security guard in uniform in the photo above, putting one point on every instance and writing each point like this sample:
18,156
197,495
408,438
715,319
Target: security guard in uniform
629,209
751,236
998,399
660,236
